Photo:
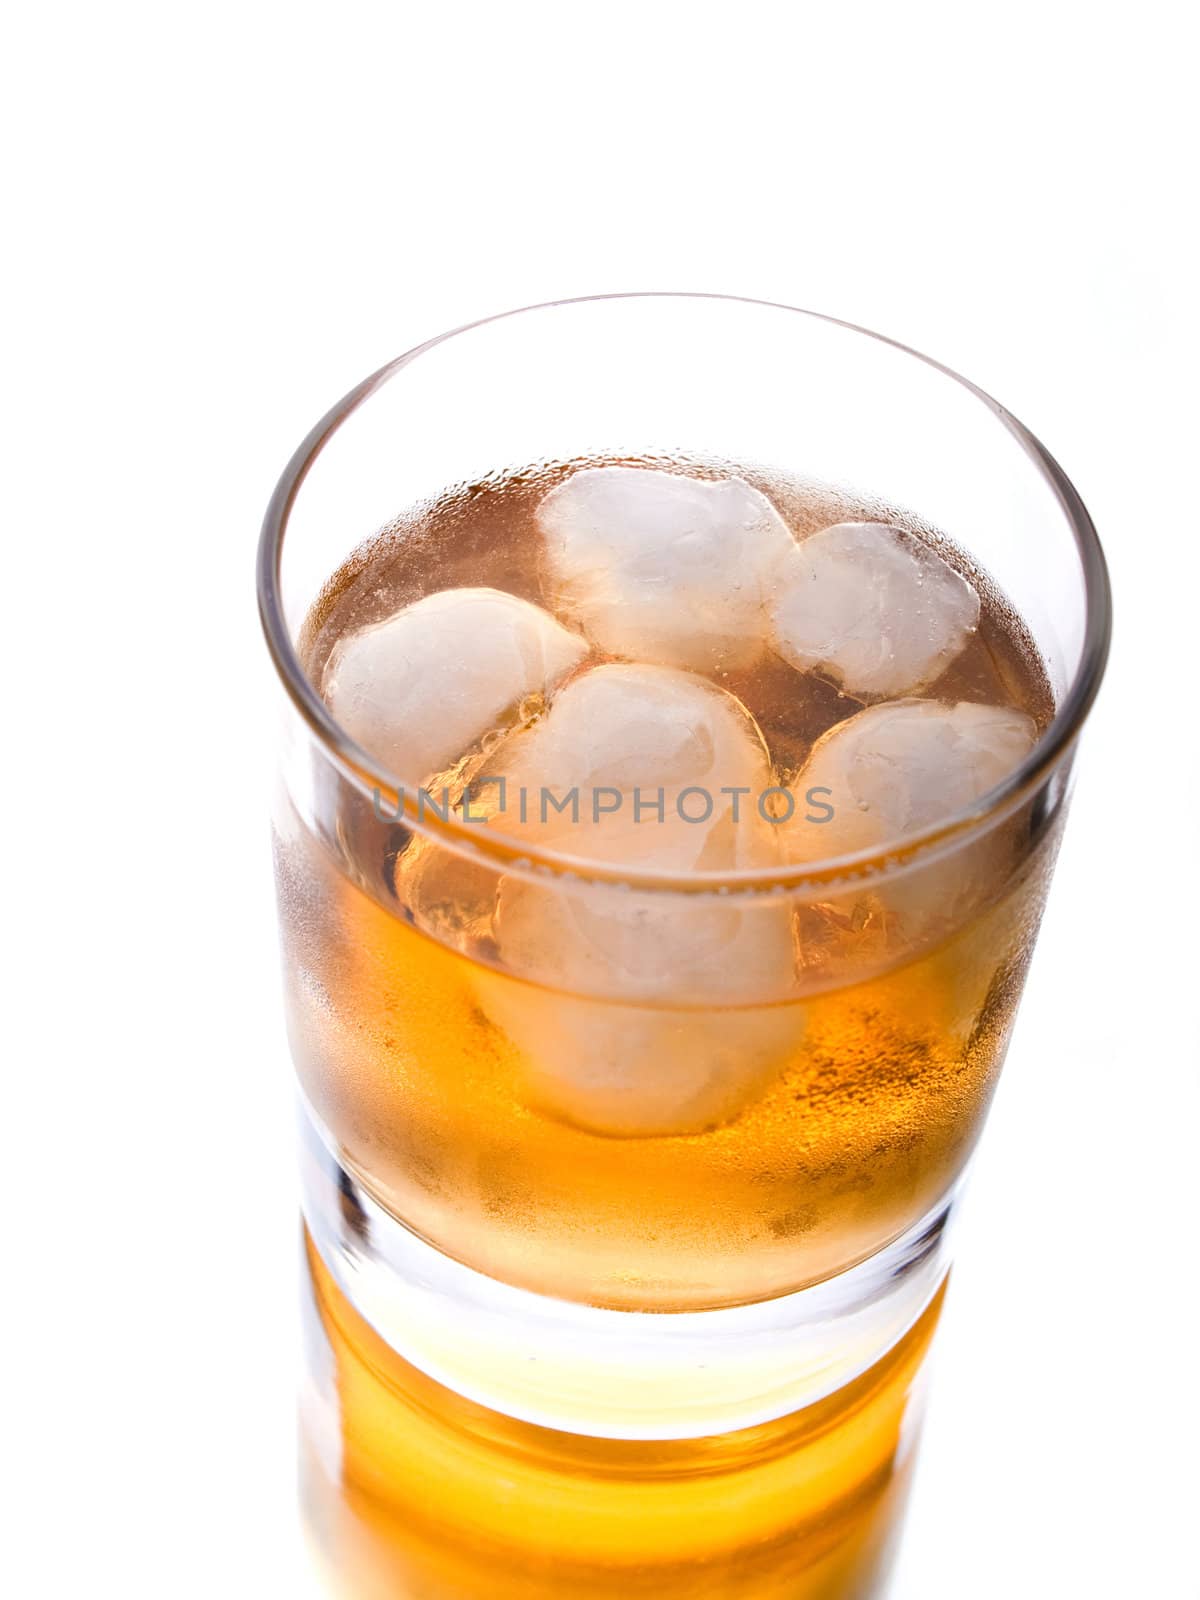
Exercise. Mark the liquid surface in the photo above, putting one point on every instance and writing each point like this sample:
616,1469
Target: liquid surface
486,534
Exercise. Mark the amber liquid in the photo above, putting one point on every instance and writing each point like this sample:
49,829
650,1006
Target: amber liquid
889,1046
860,1131
415,1492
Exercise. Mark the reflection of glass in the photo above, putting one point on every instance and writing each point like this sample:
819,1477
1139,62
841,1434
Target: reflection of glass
558,1071
413,1490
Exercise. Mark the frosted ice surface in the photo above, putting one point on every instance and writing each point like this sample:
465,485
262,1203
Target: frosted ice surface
873,607
421,688
654,1066
899,767
890,771
620,733
660,567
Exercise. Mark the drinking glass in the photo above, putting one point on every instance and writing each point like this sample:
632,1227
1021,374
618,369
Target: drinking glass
616,1288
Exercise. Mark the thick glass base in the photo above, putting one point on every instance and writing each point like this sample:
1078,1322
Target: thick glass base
602,1373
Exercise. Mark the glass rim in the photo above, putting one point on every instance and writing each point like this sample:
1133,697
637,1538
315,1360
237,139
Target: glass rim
518,855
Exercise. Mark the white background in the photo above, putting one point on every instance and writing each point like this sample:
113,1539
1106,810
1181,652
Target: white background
222,216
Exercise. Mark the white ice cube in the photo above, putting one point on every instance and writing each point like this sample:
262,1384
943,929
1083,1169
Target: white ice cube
585,779
685,1049
637,1012
661,567
891,771
873,607
421,688
897,768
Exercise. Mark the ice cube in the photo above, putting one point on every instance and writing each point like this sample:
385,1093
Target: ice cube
873,607
637,1012
679,1048
421,688
587,778
886,773
660,567
899,767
